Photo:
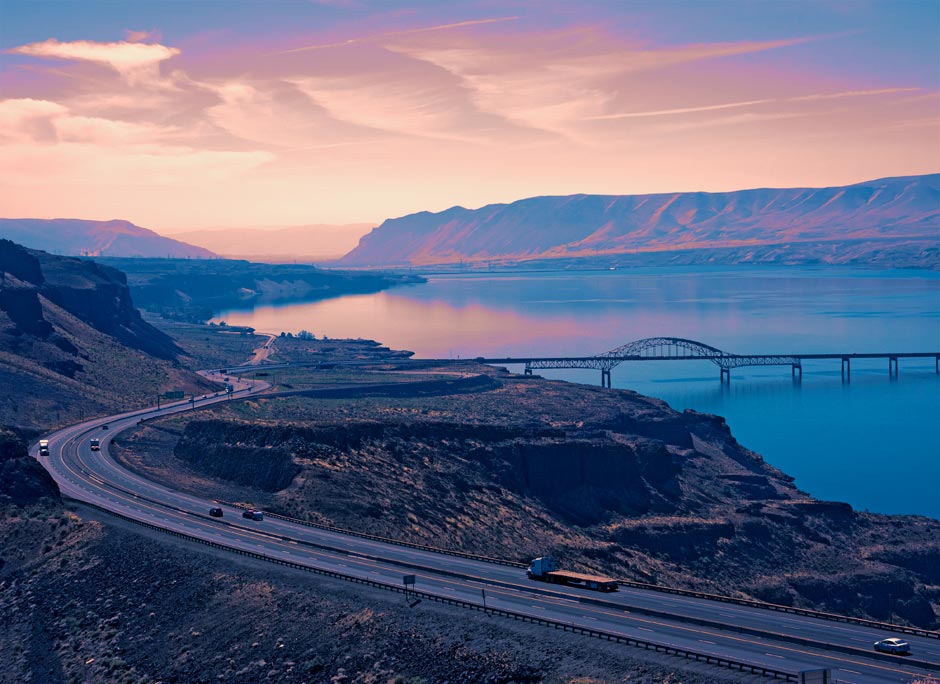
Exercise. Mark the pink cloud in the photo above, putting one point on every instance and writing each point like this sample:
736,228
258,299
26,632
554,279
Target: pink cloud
141,36
465,112
134,61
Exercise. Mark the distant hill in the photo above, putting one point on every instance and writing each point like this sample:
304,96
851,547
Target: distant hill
95,238
590,226
319,242
72,343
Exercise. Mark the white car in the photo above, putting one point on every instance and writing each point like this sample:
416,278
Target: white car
895,646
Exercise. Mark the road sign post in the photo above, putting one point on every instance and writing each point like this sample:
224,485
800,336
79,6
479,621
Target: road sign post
409,580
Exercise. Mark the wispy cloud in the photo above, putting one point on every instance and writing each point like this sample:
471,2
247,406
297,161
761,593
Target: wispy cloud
389,34
152,36
552,81
134,61
453,112
751,103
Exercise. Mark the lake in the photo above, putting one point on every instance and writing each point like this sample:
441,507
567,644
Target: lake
873,441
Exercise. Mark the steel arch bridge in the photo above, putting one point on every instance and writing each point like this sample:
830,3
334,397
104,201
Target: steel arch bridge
664,349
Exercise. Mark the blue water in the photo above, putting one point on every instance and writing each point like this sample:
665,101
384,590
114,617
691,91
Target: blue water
873,441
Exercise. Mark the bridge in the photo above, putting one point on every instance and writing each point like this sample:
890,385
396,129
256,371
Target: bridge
679,349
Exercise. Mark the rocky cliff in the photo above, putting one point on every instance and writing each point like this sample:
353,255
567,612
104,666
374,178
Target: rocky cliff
94,294
71,340
872,214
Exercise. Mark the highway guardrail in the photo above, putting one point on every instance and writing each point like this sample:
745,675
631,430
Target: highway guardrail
750,603
629,608
697,656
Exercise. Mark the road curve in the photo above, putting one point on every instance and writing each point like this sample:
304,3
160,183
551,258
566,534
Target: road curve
780,641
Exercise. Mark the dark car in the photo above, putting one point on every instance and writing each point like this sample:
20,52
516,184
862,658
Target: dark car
895,646
104,427
253,515
216,512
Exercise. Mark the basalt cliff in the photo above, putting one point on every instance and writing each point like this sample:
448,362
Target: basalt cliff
72,342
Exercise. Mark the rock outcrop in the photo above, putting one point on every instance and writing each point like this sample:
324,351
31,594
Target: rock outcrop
72,343
96,295
23,481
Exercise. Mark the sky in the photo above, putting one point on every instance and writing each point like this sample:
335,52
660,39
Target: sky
193,114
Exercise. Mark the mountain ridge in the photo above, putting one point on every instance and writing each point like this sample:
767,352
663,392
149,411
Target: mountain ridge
590,226
82,237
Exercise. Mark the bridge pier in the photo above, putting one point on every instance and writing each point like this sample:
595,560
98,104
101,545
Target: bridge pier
846,368
725,375
528,370
605,378
797,376
892,366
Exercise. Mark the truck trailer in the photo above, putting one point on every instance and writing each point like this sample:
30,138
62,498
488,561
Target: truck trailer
545,569
43,447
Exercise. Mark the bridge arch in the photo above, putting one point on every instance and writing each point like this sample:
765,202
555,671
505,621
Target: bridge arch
659,347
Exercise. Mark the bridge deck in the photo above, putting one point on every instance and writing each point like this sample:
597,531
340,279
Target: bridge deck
710,357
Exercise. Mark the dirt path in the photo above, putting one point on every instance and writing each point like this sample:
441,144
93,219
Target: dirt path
261,353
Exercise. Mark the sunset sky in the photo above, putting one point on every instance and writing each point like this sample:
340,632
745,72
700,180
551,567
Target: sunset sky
184,115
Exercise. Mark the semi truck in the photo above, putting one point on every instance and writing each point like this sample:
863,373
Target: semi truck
43,447
545,569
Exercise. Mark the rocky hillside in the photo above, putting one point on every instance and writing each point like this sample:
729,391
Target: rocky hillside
516,467
110,603
95,238
72,343
591,226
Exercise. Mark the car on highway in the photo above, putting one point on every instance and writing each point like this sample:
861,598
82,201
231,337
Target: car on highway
893,645
104,427
216,512
95,444
253,515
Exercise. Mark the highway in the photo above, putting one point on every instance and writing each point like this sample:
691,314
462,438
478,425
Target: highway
753,635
